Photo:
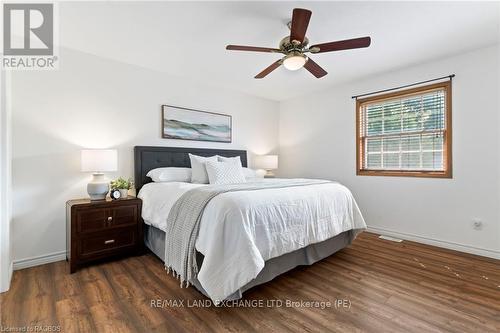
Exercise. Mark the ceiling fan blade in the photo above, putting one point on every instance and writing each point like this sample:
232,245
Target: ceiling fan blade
251,48
300,21
342,45
269,69
315,69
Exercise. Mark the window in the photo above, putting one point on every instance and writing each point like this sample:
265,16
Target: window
406,133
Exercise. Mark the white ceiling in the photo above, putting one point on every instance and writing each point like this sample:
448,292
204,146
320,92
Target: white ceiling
188,39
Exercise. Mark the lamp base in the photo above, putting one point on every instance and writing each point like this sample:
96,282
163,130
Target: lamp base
269,174
98,187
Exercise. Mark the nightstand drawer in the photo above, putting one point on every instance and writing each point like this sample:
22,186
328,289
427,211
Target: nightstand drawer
97,219
89,220
123,215
107,242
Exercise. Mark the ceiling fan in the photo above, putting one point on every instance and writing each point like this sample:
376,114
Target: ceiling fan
295,46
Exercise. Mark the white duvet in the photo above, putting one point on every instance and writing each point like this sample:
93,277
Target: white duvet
239,231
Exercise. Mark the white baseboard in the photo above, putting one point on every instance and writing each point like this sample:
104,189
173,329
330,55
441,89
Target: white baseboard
40,260
437,242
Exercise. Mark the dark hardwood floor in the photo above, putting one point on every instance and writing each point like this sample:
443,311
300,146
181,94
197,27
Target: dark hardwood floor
381,287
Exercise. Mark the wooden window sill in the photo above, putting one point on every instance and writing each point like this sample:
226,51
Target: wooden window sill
397,173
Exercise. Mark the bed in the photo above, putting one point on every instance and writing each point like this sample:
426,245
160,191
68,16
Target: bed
268,255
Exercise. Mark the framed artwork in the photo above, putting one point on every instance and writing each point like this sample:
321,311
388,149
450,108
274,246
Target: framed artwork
188,124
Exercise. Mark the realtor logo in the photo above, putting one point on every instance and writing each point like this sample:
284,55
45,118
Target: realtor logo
36,29
28,36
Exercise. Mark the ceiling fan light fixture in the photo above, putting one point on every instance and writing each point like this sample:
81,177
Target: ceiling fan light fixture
294,61
296,44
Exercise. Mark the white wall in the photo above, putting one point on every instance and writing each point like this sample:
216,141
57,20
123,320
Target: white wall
98,103
5,182
317,139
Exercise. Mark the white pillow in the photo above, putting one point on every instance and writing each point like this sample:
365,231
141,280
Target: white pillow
198,169
170,174
235,159
225,173
251,174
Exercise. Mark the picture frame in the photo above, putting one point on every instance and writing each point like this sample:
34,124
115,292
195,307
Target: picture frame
181,123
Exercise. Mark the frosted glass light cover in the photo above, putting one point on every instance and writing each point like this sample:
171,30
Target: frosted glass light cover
99,160
266,162
294,63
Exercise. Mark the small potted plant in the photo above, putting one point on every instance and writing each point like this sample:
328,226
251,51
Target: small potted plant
123,185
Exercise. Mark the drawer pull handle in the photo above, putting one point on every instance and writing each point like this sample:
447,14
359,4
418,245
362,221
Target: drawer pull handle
110,218
110,241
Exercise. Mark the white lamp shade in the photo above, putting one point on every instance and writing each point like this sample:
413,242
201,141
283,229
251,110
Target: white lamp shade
99,160
266,162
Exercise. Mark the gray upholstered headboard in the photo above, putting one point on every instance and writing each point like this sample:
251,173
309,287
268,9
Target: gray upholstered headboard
148,158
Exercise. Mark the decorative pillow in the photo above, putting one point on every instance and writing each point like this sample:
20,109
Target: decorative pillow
235,159
225,173
198,169
170,174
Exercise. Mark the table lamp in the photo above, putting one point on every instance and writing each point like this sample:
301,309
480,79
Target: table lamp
268,163
98,161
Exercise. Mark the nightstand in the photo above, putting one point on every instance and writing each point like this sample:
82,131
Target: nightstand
97,230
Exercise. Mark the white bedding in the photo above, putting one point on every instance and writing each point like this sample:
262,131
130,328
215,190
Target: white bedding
239,231
158,199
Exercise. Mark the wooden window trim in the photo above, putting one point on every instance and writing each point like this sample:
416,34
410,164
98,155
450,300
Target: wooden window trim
447,152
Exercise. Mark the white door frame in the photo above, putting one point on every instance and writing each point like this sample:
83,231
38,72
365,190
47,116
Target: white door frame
5,181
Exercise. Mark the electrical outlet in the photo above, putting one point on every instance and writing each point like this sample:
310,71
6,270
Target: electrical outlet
477,224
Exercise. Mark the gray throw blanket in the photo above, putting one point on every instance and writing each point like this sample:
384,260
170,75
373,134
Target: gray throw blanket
183,222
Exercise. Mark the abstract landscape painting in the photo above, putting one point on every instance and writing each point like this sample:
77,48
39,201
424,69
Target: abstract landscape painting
187,124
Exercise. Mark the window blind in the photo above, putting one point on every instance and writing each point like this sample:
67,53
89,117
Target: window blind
404,132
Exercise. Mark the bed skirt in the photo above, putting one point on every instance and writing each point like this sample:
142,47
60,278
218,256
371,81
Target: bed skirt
154,239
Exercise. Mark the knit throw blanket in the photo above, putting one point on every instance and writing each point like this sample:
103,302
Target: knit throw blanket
183,222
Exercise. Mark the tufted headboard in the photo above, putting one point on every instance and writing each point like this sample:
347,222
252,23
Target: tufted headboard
148,158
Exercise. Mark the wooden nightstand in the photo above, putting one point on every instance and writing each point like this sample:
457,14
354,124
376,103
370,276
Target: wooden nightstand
100,229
